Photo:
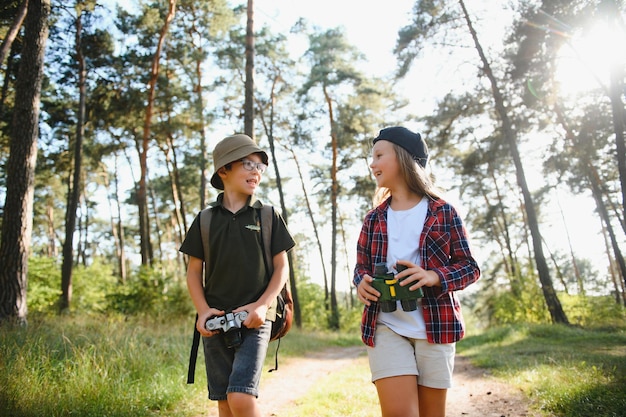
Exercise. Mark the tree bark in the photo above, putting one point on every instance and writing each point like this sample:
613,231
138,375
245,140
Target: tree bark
17,222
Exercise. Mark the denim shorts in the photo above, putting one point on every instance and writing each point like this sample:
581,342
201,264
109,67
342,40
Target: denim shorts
236,369
395,355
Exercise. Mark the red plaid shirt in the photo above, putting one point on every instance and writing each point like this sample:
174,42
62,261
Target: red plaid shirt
444,249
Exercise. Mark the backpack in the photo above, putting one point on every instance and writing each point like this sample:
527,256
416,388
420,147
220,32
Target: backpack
284,301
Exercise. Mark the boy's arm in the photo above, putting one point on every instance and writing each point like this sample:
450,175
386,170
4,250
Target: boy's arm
258,309
196,291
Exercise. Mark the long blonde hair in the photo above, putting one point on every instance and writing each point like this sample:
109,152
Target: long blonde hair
416,177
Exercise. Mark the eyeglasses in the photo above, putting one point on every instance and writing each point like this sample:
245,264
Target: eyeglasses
251,165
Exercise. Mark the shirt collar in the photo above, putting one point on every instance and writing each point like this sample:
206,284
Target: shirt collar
253,201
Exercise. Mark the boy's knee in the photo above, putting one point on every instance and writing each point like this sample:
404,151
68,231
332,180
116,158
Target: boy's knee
241,403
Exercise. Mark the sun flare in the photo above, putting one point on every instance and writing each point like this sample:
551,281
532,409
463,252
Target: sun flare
586,59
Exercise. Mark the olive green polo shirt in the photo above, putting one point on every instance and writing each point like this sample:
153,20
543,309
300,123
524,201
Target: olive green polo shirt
236,274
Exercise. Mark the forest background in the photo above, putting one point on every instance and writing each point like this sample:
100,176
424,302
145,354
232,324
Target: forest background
108,115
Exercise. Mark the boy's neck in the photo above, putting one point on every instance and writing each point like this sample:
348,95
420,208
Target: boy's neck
234,202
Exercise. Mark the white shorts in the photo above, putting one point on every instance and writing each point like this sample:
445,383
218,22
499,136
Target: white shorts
395,355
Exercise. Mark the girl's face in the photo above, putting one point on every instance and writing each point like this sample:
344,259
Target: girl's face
385,165
241,180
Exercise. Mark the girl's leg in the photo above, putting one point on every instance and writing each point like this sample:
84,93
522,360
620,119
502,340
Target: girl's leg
432,401
398,396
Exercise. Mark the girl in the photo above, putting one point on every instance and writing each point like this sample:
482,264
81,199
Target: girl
411,353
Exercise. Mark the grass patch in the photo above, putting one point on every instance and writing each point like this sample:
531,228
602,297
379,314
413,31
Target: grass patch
566,371
95,367
115,367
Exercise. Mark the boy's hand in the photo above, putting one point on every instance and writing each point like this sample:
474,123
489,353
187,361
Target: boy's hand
366,292
256,314
202,319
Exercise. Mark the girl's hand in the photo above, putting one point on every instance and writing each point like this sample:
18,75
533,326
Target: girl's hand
418,276
366,292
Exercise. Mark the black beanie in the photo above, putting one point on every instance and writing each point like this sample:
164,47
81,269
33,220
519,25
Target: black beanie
411,142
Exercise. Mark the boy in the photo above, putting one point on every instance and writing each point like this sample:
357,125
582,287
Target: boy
235,278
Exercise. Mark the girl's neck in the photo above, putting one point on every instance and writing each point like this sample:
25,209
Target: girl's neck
404,199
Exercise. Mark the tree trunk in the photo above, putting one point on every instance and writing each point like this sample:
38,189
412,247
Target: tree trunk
334,196
17,222
72,206
552,301
117,231
142,194
249,82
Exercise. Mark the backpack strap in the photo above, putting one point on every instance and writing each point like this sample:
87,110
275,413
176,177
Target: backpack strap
267,212
205,222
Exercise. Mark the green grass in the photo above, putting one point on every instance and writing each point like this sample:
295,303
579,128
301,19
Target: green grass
114,367
566,371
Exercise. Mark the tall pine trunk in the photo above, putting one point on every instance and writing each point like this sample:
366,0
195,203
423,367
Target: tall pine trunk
74,191
17,222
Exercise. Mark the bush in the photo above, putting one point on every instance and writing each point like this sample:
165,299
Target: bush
96,289
151,291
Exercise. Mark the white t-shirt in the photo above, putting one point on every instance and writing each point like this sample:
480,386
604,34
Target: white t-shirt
404,228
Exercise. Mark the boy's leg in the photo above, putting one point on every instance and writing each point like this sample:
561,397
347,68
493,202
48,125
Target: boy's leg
243,387
224,409
243,405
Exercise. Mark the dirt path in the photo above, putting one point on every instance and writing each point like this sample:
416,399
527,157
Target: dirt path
475,393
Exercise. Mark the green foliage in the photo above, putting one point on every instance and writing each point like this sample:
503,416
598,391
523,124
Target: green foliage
153,292
593,310
567,371
91,284
316,310
95,289
44,285
526,306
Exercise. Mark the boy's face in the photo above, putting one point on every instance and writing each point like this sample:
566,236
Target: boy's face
239,179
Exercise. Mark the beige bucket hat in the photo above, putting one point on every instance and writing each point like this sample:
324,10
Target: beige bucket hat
231,149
